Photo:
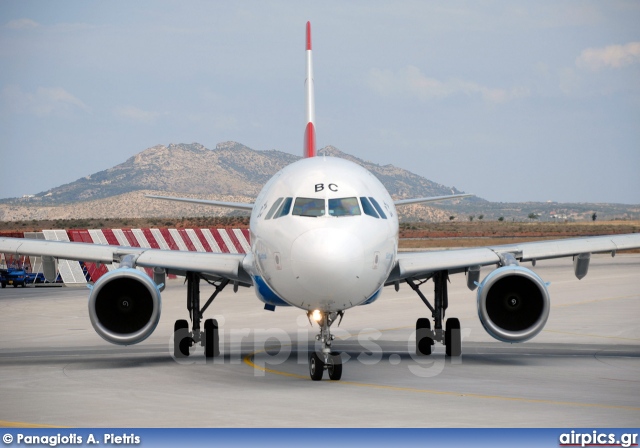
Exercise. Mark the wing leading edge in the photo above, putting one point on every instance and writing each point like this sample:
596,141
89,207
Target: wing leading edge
234,205
420,264
431,199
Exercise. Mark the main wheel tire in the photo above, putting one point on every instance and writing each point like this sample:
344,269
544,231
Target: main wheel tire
453,337
335,367
211,339
316,367
181,339
423,338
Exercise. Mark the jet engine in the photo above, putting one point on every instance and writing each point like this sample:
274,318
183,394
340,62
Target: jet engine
513,304
124,306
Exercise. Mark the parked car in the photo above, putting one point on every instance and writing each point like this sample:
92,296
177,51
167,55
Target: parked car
35,277
14,277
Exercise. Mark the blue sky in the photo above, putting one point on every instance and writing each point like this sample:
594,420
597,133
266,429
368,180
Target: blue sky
512,101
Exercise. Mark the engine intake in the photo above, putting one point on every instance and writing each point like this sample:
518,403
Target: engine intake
513,304
124,306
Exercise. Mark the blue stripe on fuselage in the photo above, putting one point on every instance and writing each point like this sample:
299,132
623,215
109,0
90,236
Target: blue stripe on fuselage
373,297
266,294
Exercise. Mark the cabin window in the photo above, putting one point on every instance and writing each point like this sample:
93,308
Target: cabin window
313,207
367,208
273,208
344,207
378,208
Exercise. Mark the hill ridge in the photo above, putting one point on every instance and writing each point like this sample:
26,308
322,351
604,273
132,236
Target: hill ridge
234,172
230,169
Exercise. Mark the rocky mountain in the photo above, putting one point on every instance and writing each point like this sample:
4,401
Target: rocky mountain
230,169
230,172
234,172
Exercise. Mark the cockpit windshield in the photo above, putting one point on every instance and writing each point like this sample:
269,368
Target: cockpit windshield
281,207
284,208
313,207
367,208
316,207
274,207
344,207
378,208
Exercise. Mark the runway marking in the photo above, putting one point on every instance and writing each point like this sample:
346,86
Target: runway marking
545,330
6,424
617,379
591,335
248,360
564,305
584,302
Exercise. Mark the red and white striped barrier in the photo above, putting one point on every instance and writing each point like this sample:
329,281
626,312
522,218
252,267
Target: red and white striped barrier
194,240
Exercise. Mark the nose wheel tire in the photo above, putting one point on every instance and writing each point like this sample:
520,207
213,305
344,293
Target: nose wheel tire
316,367
335,368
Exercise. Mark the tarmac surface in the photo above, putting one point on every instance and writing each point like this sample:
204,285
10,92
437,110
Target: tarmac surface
583,370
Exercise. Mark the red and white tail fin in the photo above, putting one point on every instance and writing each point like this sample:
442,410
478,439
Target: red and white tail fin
310,130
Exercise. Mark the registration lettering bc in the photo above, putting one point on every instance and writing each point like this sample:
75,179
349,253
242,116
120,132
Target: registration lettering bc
332,187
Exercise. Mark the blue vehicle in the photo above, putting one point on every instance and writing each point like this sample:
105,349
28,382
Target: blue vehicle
14,277
38,277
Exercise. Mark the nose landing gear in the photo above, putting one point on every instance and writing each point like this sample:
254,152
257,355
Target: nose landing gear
325,359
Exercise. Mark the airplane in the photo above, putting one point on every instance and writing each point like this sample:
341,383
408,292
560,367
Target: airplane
324,238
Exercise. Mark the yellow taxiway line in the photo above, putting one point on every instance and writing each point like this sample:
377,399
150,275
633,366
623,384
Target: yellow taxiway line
248,360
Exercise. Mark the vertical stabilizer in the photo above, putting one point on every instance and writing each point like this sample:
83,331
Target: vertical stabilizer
310,130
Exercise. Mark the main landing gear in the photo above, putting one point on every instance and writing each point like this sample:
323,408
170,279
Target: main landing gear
325,359
451,335
183,339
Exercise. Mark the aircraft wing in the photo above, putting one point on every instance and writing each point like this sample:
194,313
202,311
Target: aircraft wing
422,264
431,199
234,205
221,265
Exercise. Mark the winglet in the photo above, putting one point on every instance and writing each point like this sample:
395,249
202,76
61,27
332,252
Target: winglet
310,130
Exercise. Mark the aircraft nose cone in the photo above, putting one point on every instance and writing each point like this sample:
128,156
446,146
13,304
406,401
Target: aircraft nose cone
327,263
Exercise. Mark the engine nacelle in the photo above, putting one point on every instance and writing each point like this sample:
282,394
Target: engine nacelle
124,306
513,304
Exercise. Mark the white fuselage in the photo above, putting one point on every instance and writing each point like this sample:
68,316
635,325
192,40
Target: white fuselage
324,235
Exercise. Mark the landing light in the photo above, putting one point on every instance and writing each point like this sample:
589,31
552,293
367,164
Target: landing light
317,315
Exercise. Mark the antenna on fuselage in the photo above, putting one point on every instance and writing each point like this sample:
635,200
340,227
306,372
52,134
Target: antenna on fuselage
310,130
